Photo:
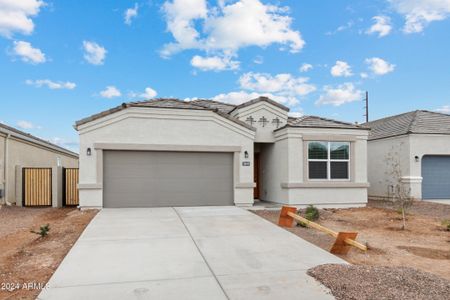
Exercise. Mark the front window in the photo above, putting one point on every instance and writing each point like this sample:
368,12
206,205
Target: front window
328,160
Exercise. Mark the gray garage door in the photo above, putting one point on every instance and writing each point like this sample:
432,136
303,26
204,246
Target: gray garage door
436,177
148,179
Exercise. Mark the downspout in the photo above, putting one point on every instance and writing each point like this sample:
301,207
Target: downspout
5,170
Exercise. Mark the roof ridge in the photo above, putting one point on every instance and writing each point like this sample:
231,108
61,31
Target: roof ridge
390,117
31,136
412,123
215,101
333,120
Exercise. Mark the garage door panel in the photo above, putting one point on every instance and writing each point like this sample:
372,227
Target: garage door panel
436,177
147,179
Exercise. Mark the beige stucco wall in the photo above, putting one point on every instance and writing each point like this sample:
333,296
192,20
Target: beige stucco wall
264,134
180,129
380,169
286,162
26,154
407,147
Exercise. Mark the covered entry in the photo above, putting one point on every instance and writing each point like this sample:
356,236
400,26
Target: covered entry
436,177
166,178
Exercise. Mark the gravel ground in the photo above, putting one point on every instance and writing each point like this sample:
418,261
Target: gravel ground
376,282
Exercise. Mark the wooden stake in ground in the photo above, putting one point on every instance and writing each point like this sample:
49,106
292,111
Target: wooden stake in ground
343,239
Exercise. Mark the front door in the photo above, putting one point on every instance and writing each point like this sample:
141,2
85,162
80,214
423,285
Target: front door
256,176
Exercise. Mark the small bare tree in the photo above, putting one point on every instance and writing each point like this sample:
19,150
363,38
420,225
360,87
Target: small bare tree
401,193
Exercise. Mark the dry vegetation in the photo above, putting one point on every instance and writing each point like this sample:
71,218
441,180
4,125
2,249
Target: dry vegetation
27,258
424,245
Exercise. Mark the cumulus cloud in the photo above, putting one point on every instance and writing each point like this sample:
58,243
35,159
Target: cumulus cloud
445,109
62,142
305,67
110,92
53,85
94,53
379,66
149,93
343,93
228,27
382,26
281,83
243,96
295,114
27,53
341,69
26,125
419,13
258,60
130,14
283,87
214,63
15,16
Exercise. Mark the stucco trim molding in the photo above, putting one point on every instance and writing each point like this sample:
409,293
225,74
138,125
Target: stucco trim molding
166,147
245,185
90,186
411,179
295,185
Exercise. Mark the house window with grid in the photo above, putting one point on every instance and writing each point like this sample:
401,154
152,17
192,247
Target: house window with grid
328,160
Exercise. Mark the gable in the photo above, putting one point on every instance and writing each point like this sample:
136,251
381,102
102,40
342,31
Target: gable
263,116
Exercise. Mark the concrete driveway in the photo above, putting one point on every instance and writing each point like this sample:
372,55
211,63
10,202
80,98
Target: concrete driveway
187,253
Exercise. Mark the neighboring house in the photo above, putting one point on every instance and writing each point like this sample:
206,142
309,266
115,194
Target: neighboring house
168,152
420,142
19,150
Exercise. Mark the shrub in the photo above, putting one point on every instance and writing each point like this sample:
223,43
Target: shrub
446,224
312,213
43,230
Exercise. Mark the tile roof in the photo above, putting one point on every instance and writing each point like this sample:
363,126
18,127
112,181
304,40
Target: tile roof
220,106
168,103
5,129
224,110
319,122
262,98
418,121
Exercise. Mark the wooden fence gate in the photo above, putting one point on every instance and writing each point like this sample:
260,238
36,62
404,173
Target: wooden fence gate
37,186
70,182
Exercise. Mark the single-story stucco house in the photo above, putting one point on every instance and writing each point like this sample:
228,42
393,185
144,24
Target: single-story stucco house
19,150
168,152
419,141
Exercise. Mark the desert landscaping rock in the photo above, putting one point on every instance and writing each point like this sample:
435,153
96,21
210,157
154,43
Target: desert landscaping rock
379,282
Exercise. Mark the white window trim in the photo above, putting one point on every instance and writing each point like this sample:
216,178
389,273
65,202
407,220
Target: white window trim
329,161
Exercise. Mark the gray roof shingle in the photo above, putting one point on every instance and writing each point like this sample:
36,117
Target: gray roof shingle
319,122
220,106
224,110
168,103
262,98
418,121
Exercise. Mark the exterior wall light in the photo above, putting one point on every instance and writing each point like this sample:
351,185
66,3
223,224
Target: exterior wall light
246,154
88,151
416,158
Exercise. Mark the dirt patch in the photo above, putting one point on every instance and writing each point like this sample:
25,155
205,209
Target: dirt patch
345,282
28,261
424,245
427,252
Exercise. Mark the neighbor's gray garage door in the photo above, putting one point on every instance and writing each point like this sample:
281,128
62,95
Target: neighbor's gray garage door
436,177
147,179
